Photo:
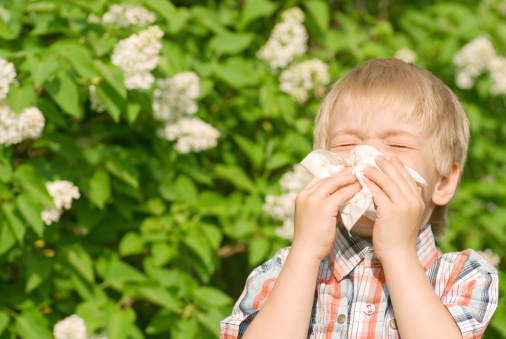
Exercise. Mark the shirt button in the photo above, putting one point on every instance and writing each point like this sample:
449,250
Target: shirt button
393,324
369,309
341,318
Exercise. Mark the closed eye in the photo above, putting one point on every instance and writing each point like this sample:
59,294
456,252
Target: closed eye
398,146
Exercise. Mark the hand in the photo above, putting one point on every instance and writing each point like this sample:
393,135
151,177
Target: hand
399,208
317,212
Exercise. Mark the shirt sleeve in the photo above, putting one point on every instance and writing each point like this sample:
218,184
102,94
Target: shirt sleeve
258,286
471,291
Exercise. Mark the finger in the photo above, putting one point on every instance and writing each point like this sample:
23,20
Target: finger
311,184
333,183
407,177
344,194
317,184
379,197
387,184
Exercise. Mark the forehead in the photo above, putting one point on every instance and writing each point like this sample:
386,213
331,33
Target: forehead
357,112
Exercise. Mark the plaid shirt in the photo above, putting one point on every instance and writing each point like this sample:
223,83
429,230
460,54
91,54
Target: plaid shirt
351,297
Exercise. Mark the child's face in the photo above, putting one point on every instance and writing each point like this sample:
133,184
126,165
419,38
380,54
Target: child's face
391,133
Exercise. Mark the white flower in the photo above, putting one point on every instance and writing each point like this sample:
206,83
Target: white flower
15,128
71,327
137,55
125,15
293,14
464,80
62,192
296,180
175,97
497,70
192,135
93,19
50,214
96,104
282,207
7,77
491,257
287,40
472,60
286,229
304,76
406,55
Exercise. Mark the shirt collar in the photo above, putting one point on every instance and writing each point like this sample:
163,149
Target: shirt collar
349,250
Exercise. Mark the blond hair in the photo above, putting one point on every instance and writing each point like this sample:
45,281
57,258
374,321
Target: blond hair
380,83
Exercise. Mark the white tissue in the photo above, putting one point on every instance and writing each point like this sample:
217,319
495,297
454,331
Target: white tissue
322,163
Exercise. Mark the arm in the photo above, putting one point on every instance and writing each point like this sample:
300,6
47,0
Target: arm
401,210
287,310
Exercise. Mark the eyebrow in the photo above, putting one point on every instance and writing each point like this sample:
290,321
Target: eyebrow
385,134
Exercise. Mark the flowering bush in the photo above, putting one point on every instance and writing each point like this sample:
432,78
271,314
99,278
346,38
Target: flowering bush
147,149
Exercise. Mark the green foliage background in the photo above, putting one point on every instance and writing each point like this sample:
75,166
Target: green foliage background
160,244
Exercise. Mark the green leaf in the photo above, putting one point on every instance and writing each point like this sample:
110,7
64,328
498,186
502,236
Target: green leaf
208,18
119,273
231,43
80,261
50,112
122,169
258,250
162,7
44,70
4,321
160,296
319,11
20,98
254,9
38,269
197,242
161,322
211,296
97,188
32,324
18,228
235,175
113,75
210,319
30,210
183,189
131,243
94,312
132,111
79,56
253,150
213,235
236,72
7,239
26,177
119,323
278,160
11,27
65,93
111,100
5,167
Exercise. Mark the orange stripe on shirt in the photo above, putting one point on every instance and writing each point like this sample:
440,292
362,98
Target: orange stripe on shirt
456,270
260,297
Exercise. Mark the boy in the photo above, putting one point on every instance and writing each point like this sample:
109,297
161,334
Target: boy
386,279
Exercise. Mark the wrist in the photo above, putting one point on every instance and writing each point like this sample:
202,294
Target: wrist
305,256
398,256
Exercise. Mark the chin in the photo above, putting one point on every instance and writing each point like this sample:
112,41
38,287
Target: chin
363,227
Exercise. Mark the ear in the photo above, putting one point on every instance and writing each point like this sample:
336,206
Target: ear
446,186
